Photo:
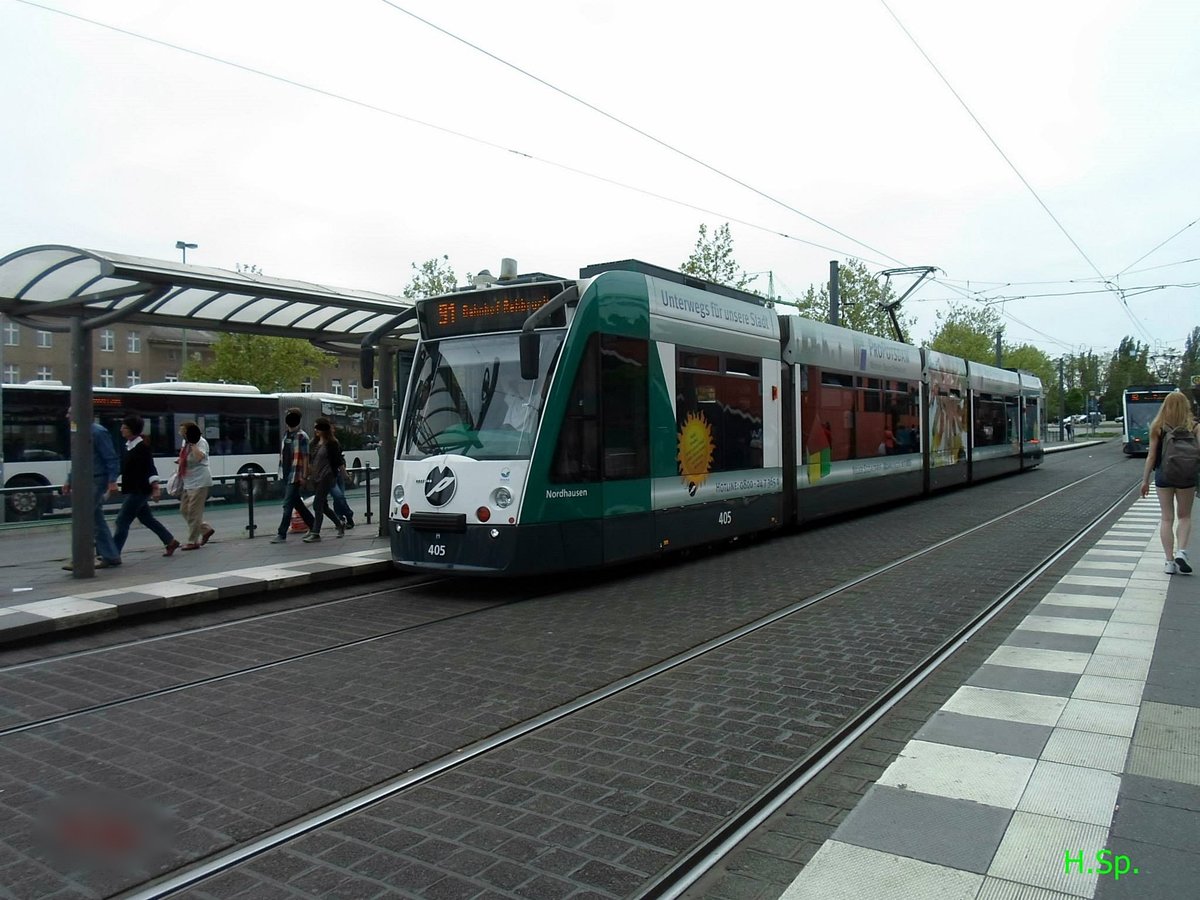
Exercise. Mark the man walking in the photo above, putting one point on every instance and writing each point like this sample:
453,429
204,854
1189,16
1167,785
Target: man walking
139,484
293,467
105,469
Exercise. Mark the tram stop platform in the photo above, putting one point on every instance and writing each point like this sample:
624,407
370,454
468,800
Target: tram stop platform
1067,766
37,596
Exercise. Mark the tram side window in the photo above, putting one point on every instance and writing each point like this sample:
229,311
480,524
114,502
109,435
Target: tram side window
860,418
1031,429
724,396
829,406
995,420
577,455
625,407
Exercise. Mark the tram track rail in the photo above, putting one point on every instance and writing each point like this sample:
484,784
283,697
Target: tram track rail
216,626
67,716
689,867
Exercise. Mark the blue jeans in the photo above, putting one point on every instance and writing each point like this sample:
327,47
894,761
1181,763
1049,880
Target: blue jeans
106,549
340,505
137,506
293,501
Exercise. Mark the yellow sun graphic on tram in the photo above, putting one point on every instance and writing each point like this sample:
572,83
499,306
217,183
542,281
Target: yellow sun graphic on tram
696,450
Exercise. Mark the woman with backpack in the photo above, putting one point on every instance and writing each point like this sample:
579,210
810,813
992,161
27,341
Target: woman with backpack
1174,458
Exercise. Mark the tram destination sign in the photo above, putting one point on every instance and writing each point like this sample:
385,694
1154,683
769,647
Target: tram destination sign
482,312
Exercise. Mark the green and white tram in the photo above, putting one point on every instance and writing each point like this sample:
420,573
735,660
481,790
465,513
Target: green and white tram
1139,406
555,424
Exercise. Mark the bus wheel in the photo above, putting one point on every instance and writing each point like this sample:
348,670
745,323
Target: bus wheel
26,506
260,484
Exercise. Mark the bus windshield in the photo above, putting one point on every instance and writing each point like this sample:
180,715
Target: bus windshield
468,397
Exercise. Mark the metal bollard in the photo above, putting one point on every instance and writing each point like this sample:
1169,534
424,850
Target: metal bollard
250,526
368,493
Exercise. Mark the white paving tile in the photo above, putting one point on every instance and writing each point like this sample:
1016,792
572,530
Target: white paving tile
1112,646
1060,625
68,608
960,773
996,889
1125,691
170,589
1014,706
1080,748
1136,617
1036,658
840,871
1088,601
1131,631
1101,718
1100,565
1118,667
1033,852
1071,792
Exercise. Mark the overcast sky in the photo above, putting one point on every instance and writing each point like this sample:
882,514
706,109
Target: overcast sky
114,142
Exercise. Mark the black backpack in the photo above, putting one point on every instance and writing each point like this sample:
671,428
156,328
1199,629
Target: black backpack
1180,458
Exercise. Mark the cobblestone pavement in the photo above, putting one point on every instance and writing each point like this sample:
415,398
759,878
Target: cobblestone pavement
592,805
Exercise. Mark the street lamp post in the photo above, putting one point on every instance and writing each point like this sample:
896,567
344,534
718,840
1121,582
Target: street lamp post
184,247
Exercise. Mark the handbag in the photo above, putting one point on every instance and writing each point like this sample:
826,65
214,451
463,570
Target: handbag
174,485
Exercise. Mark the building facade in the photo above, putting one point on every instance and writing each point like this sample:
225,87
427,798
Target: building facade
130,355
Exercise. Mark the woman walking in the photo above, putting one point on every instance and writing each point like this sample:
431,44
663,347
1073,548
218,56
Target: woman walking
326,460
1174,500
196,479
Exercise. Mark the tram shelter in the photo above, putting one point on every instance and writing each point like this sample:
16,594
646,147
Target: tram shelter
74,291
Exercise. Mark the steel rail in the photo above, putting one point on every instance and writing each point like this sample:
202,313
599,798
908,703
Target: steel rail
238,673
693,865
201,629
189,876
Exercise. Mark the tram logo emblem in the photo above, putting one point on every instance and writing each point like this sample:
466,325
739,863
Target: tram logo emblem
440,485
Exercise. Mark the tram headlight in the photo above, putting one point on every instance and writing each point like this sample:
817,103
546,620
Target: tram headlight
398,493
502,497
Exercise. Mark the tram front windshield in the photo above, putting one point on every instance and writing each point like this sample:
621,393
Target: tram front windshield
468,398
1138,416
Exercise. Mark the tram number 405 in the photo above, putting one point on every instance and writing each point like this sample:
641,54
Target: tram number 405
436,550
725,517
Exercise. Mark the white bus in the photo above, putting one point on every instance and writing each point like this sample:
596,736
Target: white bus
242,426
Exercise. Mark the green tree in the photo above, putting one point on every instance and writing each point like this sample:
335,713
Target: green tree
861,301
713,259
967,330
431,278
1030,359
1129,364
268,363
1189,365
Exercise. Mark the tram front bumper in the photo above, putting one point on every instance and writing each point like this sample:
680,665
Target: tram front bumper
479,550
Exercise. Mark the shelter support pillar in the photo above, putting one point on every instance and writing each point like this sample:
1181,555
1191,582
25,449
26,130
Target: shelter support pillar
83,527
387,433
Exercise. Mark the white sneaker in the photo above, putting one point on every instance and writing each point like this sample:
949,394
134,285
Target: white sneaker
1181,562
1170,568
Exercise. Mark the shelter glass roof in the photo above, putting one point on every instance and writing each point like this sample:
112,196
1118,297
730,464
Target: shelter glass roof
52,281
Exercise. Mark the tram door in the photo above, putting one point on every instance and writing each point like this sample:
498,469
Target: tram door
628,529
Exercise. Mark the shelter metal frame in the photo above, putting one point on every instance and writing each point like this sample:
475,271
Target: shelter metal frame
65,289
